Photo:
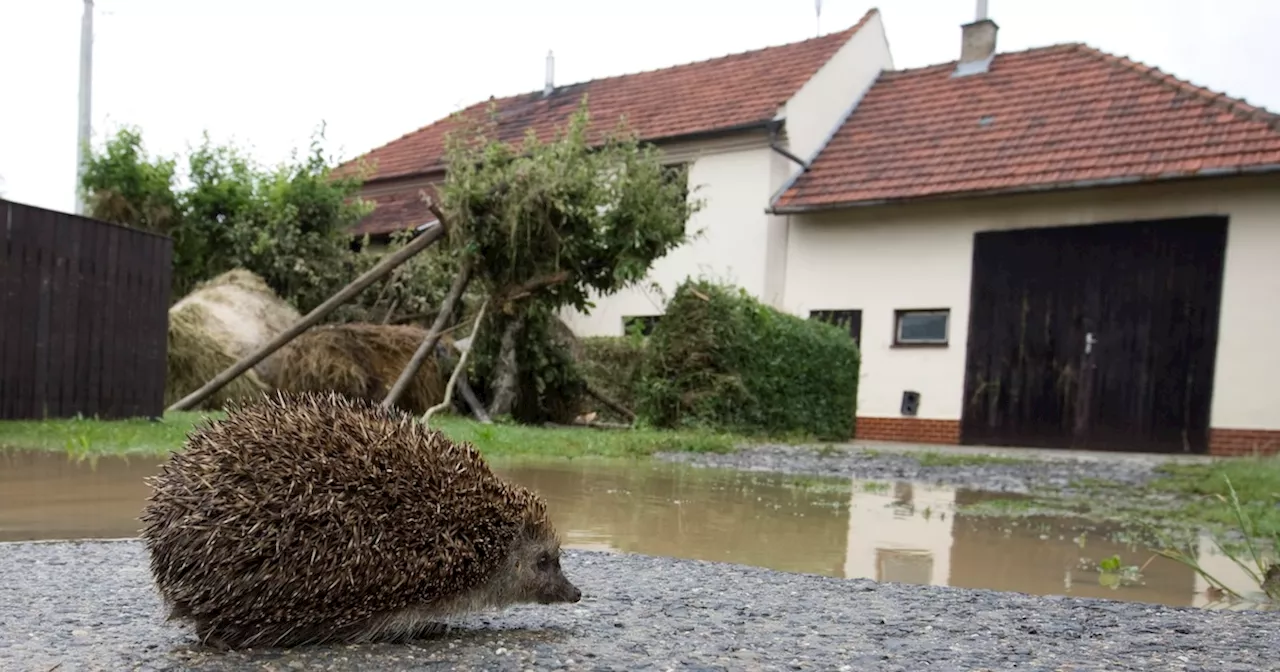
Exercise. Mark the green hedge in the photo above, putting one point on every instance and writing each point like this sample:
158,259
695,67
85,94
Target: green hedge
720,359
611,365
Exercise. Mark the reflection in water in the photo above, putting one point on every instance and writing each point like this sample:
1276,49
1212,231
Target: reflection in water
900,532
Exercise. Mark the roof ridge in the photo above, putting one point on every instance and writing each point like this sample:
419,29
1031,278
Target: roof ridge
852,29
723,57
1235,105
1058,46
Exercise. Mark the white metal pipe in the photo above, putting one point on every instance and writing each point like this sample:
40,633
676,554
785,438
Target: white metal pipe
86,96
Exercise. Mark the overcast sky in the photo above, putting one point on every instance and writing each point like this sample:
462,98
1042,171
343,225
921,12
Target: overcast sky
267,73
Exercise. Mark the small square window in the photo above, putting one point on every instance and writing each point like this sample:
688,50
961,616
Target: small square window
921,327
645,323
850,320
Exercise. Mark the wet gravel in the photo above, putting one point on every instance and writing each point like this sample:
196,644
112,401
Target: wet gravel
1021,476
90,606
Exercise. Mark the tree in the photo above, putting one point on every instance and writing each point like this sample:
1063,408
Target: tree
544,224
290,224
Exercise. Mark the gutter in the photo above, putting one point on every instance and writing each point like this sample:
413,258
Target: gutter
774,125
831,133
1207,173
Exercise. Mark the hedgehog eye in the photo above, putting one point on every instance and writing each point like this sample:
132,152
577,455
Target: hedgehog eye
544,561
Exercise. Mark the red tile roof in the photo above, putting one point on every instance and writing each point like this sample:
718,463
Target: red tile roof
395,212
721,93
1060,116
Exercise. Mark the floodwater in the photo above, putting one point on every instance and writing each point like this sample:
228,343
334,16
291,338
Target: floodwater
900,532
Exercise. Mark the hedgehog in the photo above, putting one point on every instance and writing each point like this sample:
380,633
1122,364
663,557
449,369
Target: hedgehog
311,518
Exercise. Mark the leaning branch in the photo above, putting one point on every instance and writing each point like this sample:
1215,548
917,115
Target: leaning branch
422,242
528,287
428,344
457,370
615,406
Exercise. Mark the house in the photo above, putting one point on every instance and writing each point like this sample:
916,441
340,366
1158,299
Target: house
1054,248
739,123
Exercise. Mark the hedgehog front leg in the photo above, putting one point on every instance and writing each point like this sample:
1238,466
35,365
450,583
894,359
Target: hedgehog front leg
399,626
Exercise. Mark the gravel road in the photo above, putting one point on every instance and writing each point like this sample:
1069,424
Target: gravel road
1024,475
90,606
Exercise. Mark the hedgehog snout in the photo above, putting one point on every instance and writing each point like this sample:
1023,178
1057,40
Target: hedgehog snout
563,590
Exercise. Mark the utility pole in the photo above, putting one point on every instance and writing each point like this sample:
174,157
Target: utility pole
86,87
817,7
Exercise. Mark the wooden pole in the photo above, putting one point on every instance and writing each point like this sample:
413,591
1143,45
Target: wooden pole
422,242
428,344
464,389
615,406
457,370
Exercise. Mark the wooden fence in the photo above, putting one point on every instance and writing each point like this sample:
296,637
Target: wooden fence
83,316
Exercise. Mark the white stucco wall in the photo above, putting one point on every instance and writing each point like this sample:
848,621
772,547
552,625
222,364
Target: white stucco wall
919,256
741,244
878,529
735,189
824,101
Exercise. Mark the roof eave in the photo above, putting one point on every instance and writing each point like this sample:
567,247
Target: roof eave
762,125
1030,189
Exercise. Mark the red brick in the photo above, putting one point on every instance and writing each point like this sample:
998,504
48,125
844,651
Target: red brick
1222,442
911,430
1055,116
1242,442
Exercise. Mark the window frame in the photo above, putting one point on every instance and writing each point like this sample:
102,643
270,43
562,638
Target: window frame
900,313
832,315
648,323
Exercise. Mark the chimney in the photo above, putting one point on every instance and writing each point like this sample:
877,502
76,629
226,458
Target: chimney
977,43
551,76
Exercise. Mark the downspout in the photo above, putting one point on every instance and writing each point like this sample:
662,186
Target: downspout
774,125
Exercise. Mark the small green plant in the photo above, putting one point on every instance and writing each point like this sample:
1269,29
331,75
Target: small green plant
1113,573
78,446
1263,568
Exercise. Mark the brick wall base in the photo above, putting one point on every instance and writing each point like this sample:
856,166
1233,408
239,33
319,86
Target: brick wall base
908,430
1238,442
1222,442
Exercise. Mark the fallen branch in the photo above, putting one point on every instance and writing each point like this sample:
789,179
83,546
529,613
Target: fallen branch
383,268
464,388
613,405
433,336
588,425
528,287
386,318
473,402
457,370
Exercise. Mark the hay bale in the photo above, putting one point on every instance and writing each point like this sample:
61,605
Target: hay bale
195,356
361,361
215,325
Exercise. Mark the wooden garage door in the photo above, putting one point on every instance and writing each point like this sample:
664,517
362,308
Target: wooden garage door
1095,337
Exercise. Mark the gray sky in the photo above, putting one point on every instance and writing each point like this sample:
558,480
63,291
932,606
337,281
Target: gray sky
373,70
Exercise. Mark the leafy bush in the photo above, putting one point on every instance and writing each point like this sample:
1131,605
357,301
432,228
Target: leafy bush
611,365
289,224
546,223
721,359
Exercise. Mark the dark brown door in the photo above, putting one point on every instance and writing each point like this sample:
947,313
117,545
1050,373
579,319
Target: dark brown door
1098,337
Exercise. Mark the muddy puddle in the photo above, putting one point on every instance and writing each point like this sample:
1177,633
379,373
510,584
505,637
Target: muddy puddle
900,532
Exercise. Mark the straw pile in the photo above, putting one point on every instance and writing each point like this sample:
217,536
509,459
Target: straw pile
361,361
219,322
